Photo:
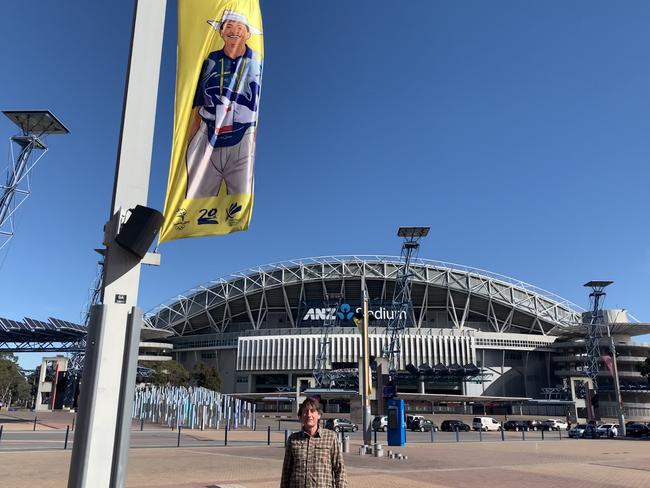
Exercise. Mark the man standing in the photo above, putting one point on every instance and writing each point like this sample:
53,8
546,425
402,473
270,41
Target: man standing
312,458
224,117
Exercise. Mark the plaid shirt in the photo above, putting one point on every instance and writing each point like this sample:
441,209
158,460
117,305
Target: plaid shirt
313,462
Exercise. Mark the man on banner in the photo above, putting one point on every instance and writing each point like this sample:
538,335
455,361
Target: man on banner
224,114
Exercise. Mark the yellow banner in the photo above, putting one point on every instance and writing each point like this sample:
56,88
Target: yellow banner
218,82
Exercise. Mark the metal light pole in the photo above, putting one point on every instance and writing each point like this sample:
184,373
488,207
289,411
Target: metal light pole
366,377
597,296
402,305
98,456
35,126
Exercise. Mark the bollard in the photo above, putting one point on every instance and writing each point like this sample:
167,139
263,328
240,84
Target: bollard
559,431
457,436
523,435
141,424
1,427
178,441
346,443
432,435
542,434
377,450
279,424
286,437
74,417
225,436
375,431
480,435
67,432
35,423
268,436
503,436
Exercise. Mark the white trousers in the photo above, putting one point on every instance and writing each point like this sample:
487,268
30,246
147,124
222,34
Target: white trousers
207,166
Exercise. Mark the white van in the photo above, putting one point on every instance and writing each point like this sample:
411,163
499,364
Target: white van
485,424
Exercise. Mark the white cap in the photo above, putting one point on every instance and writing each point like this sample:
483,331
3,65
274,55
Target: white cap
236,17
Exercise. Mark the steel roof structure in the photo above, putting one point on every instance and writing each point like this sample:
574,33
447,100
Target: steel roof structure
55,335
33,335
617,329
244,300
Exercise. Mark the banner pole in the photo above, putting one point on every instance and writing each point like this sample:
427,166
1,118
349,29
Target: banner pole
93,449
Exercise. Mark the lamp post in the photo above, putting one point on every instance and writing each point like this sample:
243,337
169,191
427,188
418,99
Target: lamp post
365,374
99,453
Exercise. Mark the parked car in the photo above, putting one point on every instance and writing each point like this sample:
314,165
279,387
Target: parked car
454,425
554,424
380,423
412,418
423,425
577,431
485,424
515,425
637,430
534,424
608,430
341,425
591,432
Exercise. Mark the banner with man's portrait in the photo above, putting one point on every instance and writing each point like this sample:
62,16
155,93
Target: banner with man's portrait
218,83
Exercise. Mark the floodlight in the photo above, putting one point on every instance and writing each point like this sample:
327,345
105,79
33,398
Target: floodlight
597,284
413,231
33,124
36,121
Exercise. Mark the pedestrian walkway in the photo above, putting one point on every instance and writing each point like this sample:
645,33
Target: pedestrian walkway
575,463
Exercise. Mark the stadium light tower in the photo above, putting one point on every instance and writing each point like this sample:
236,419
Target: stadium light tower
34,126
402,296
594,333
322,375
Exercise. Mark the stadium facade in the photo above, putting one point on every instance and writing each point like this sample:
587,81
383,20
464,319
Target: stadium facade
262,329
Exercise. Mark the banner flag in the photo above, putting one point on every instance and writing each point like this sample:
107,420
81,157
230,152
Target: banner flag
218,83
609,363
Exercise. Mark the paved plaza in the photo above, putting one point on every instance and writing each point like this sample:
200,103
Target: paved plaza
571,463
31,458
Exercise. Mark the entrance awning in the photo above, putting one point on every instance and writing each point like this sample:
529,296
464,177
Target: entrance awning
442,398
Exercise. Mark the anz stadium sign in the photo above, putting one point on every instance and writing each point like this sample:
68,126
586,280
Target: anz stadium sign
313,315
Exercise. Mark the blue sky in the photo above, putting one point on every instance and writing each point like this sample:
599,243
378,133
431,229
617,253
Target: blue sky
517,130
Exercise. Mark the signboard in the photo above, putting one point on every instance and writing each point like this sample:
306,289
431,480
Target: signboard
315,313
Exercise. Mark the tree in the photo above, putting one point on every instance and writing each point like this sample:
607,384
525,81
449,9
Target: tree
167,373
206,376
12,380
22,393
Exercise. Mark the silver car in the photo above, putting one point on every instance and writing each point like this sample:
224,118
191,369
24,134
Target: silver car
578,431
608,430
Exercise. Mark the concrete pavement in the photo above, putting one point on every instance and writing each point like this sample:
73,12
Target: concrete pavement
571,463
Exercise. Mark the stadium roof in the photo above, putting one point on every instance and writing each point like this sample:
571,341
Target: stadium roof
246,298
616,329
